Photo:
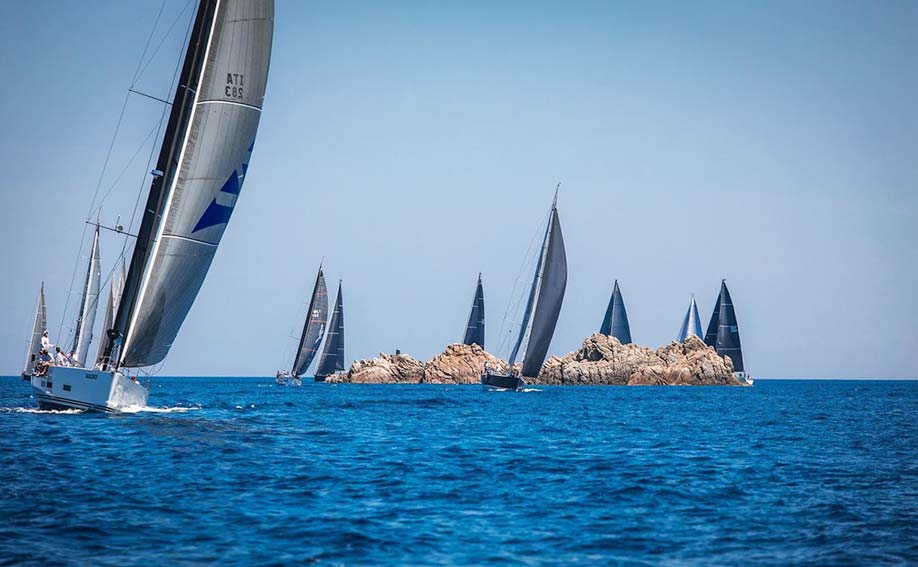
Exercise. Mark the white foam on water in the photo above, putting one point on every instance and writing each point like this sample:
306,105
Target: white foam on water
36,410
530,390
148,409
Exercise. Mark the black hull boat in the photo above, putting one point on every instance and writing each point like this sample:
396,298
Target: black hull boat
502,381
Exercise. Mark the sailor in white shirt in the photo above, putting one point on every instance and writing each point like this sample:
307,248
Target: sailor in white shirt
46,342
60,358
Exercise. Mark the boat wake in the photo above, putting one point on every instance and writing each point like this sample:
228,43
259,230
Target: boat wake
36,410
530,390
148,409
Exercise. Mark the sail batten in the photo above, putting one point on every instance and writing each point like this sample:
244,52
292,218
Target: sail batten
313,328
615,322
475,329
332,359
89,304
202,166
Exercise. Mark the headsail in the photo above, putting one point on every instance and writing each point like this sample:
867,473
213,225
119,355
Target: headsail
475,329
728,341
111,307
38,327
545,297
691,323
313,328
200,172
89,304
333,352
615,321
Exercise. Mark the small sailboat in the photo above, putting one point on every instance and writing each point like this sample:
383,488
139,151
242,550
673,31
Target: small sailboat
475,329
723,333
313,330
89,305
691,323
615,321
542,309
202,164
332,359
39,325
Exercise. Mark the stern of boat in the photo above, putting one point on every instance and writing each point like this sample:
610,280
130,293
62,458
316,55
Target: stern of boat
501,381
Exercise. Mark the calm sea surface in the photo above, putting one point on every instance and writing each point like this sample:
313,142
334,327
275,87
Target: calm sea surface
240,471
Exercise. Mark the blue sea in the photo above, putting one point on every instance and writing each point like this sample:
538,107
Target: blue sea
238,471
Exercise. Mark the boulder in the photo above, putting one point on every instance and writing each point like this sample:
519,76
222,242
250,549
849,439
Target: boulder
460,364
386,369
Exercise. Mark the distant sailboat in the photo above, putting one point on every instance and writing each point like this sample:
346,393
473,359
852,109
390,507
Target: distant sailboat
723,332
202,163
615,321
111,307
39,326
475,329
691,324
313,330
542,309
89,304
332,359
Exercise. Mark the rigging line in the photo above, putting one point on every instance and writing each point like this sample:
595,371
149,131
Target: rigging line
160,45
126,167
147,45
108,156
159,125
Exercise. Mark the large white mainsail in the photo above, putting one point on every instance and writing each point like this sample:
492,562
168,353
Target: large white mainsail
38,327
111,307
89,304
203,163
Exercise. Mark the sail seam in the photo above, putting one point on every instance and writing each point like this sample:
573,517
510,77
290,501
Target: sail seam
230,102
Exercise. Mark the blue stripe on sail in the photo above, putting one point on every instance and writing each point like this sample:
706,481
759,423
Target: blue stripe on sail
216,213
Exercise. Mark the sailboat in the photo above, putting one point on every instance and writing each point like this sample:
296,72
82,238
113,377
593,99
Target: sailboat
332,359
201,167
475,329
723,333
89,304
39,326
313,330
615,321
542,309
691,323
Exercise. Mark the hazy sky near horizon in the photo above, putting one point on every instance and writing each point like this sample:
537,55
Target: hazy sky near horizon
415,144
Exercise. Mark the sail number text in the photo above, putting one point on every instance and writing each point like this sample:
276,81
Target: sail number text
234,84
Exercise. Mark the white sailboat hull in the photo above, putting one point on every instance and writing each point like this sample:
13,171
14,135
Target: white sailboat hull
90,390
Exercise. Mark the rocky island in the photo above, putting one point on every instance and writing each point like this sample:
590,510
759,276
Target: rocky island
602,360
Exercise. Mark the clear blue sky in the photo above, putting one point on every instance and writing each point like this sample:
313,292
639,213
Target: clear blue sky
415,144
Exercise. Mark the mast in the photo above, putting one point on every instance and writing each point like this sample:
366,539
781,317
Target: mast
474,330
89,305
174,137
332,359
313,327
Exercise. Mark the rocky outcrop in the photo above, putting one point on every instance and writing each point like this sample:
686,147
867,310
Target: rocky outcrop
386,369
603,360
460,364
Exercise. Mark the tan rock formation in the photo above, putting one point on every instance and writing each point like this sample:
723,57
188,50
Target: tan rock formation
386,369
604,360
460,364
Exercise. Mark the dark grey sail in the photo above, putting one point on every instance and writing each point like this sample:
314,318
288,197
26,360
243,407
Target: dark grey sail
199,175
332,359
615,321
89,305
545,298
313,328
728,340
475,329
691,323
710,336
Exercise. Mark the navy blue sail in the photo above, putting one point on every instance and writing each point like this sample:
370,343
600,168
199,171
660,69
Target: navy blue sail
710,336
475,329
333,352
728,340
615,321
313,328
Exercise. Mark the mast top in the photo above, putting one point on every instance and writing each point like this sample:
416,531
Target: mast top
554,204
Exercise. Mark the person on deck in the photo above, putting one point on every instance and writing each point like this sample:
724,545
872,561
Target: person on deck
44,361
72,359
60,358
46,342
